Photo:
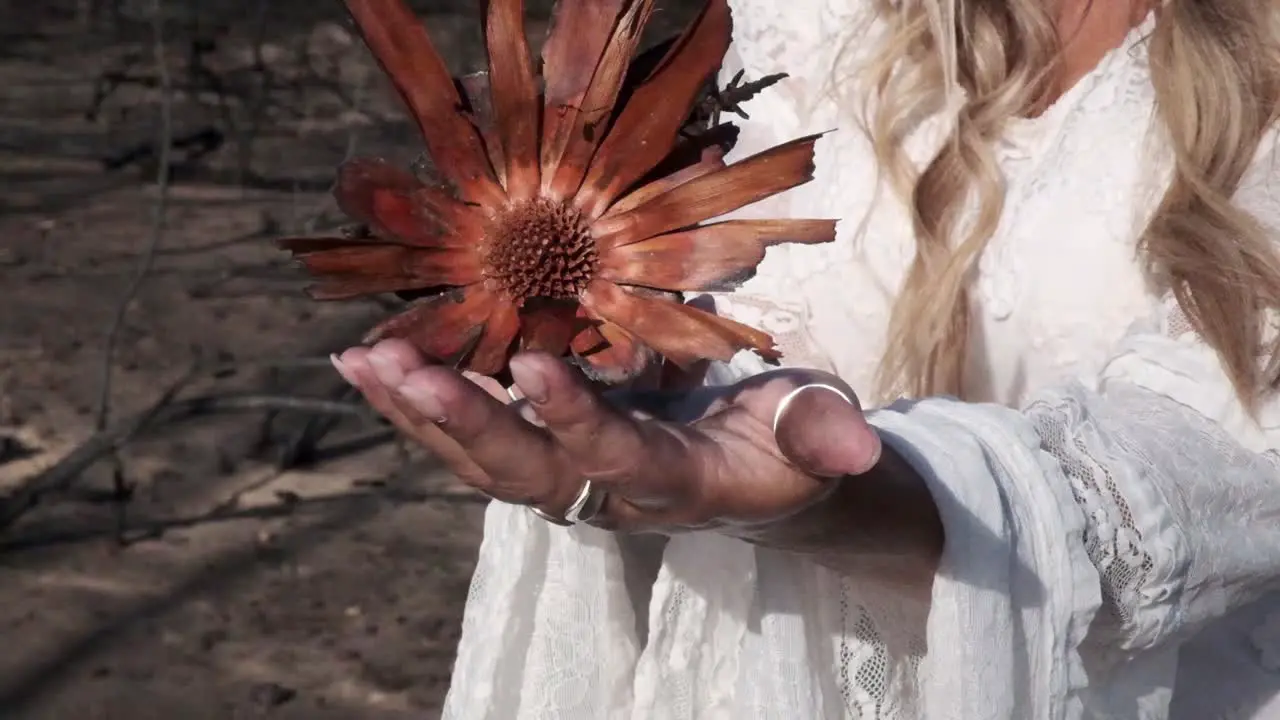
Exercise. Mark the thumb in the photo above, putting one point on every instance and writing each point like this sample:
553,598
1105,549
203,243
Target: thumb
823,431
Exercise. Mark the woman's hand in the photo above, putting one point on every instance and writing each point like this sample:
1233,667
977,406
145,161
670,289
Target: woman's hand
724,467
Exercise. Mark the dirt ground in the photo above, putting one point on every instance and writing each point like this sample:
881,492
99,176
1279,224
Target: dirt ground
331,588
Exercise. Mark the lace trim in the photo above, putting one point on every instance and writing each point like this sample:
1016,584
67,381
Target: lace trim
1113,540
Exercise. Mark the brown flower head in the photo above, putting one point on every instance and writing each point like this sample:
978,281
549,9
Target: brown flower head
567,216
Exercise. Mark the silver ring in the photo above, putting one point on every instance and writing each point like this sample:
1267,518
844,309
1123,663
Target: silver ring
549,517
585,505
785,402
511,393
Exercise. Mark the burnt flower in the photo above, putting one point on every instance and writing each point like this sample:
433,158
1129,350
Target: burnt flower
571,210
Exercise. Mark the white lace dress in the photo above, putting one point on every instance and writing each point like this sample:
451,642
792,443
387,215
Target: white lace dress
1112,502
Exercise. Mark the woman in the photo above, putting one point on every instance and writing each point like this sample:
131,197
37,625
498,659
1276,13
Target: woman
1058,237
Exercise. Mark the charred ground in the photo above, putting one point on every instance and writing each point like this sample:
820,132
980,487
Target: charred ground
280,555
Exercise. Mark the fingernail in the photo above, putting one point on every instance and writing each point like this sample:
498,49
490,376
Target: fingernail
424,401
873,459
342,369
529,378
386,370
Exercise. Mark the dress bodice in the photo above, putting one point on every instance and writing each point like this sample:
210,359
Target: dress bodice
1057,285
1124,502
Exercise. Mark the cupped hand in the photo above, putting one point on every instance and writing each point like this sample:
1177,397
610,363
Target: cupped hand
723,465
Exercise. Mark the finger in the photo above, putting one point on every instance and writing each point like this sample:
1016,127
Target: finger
356,367
620,514
649,462
617,514
821,430
824,432
395,356
495,389
522,462
392,361
511,396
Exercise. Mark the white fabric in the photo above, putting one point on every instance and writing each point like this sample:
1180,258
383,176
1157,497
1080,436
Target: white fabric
1110,502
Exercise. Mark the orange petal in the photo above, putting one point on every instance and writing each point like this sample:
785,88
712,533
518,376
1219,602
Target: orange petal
350,269
441,327
464,224
609,354
373,260
711,257
376,193
646,129
493,349
399,42
475,88
579,31
682,334
347,288
647,61
392,202
759,176
582,127
711,160
514,95
306,245
549,326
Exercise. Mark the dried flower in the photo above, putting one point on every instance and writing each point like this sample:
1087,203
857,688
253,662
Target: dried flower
567,219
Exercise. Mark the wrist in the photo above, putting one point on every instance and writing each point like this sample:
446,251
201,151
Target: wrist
882,525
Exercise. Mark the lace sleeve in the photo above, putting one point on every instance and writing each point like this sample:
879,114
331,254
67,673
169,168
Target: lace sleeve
1181,486
1113,518
1178,490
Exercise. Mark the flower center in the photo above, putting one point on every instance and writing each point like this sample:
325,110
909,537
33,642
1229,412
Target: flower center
541,249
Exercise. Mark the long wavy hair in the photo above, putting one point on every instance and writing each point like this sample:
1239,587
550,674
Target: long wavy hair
1215,65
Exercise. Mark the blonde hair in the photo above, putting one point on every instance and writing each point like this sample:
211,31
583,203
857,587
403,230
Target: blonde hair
1215,65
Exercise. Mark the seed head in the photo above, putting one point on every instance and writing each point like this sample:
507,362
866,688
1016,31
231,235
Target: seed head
540,249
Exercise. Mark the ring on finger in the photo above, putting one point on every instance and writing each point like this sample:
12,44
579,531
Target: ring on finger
511,393
585,506
785,403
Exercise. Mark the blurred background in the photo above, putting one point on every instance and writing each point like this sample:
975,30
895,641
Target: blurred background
196,519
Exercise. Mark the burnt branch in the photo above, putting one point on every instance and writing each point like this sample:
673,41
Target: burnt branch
120,485
167,410
239,96
287,505
194,145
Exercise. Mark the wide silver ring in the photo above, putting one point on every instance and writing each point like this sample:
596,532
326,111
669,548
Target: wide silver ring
511,393
586,505
786,400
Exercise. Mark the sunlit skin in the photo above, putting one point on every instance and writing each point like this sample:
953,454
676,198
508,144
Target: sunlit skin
1089,29
723,468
